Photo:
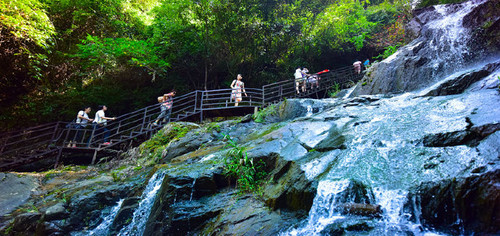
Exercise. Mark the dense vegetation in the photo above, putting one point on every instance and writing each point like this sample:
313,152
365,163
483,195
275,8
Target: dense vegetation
57,56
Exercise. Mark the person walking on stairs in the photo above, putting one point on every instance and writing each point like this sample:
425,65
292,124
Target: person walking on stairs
166,101
100,123
82,119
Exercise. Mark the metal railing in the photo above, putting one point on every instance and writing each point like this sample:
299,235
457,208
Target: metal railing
36,142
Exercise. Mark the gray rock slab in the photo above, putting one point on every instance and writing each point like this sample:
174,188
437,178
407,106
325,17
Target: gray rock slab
15,191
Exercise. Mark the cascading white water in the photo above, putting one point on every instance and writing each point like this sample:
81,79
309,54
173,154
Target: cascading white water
141,214
323,211
444,41
107,220
103,228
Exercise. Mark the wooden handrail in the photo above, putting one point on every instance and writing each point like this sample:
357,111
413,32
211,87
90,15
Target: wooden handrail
138,122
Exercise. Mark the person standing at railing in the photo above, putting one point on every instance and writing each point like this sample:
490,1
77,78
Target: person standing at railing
238,87
357,66
298,79
100,123
166,102
82,119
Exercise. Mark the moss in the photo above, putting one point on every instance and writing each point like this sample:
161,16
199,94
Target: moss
155,146
263,132
270,110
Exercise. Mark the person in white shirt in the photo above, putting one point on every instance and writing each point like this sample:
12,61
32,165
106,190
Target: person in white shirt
82,119
298,79
101,121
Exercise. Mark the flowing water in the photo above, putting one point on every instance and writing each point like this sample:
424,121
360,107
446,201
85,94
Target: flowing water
384,149
107,220
141,214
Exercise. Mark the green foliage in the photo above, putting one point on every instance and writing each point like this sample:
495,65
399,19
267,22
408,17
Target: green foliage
27,19
342,23
261,115
66,54
101,56
334,90
389,50
249,175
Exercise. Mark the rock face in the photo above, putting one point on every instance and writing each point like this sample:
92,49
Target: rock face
459,84
462,206
199,205
15,190
444,44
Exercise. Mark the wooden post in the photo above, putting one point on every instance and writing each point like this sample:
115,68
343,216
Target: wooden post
94,127
263,96
195,100
201,105
94,157
59,153
144,118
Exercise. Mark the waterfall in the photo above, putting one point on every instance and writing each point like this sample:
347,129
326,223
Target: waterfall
323,211
107,220
103,228
141,214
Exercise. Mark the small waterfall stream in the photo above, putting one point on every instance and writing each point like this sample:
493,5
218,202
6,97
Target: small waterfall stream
140,216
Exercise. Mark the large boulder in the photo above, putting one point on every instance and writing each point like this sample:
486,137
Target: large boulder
16,190
459,84
458,206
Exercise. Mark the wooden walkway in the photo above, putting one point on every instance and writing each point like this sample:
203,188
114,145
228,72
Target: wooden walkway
48,142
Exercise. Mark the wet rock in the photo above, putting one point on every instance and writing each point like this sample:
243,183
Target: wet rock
460,83
189,143
85,209
49,228
56,212
290,189
458,206
25,224
15,191
346,225
434,54
487,18
177,202
246,215
334,140
361,209
125,214
471,137
356,192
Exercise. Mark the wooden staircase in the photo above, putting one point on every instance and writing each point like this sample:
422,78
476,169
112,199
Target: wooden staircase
53,139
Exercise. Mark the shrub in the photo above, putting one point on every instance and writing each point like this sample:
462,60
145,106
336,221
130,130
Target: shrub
248,174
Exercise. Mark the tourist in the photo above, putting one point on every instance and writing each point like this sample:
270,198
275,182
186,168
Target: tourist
357,66
238,87
366,64
100,123
82,119
298,79
166,101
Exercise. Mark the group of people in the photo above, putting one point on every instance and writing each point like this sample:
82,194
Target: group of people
100,121
357,65
98,124
303,78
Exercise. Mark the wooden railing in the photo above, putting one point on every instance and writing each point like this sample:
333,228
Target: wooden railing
37,142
